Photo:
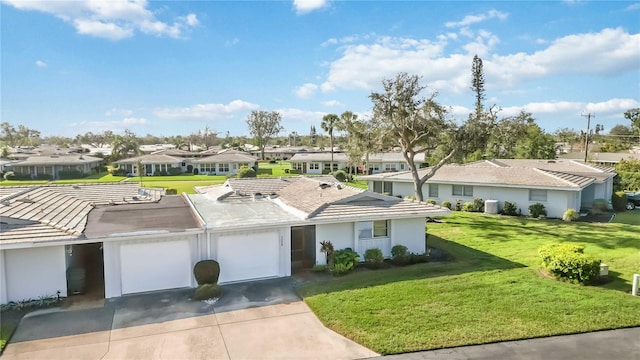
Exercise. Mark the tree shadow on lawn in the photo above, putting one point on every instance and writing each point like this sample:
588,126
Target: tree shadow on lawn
465,260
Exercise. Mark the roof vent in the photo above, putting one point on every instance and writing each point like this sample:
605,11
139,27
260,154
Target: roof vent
257,196
324,185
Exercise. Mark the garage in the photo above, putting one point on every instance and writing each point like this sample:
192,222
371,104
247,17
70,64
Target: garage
248,256
152,266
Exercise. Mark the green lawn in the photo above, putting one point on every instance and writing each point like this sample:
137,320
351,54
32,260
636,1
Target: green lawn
96,178
5,332
493,290
628,217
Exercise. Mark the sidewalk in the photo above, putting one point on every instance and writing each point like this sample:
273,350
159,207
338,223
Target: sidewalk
621,344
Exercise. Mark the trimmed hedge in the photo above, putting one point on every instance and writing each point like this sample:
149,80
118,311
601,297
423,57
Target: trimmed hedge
373,258
619,201
246,172
400,255
568,262
206,272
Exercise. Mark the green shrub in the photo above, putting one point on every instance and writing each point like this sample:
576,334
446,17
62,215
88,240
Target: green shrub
568,262
431,201
458,205
570,215
419,258
319,268
468,206
400,255
42,177
373,258
294,171
600,205
478,205
446,204
343,261
175,171
619,201
536,210
206,272
509,209
171,191
340,175
119,172
71,174
246,172
207,291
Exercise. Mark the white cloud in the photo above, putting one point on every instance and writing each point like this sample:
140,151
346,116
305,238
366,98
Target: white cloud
364,65
473,19
207,111
306,90
112,20
232,42
606,108
116,111
332,103
113,125
633,7
306,6
40,63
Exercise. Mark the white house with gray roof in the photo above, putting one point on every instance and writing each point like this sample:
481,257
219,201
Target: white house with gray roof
318,163
558,184
284,220
52,166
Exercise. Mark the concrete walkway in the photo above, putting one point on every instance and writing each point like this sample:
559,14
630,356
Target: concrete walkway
622,344
263,320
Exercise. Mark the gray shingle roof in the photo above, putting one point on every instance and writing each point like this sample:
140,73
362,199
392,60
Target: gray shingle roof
231,157
325,156
151,159
74,159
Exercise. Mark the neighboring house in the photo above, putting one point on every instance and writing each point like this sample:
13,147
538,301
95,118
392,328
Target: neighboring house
152,164
127,239
318,163
224,163
601,158
5,165
558,184
277,224
391,162
53,165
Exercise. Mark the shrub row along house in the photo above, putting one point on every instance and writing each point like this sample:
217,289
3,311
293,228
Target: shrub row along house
557,184
120,239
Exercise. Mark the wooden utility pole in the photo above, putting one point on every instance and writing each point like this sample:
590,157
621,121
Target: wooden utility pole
586,135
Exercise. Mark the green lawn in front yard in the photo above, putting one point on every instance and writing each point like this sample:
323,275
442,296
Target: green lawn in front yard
631,217
492,291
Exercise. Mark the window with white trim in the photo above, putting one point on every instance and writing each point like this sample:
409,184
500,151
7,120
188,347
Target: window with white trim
462,190
314,166
373,229
433,190
223,167
537,195
389,167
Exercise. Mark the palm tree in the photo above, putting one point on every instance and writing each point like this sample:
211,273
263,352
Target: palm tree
122,145
329,122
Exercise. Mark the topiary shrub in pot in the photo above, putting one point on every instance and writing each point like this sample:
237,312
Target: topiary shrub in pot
207,291
206,272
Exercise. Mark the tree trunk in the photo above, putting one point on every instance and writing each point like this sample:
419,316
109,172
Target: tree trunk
262,152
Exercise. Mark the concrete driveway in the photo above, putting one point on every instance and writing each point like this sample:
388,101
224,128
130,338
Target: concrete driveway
259,320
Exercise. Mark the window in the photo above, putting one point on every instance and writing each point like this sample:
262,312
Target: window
433,190
382,187
314,166
380,228
327,166
537,195
389,167
402,166
223,167
296,166
462,190
377,187
373,229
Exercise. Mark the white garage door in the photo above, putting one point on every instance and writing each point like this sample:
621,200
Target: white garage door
155,266
251,256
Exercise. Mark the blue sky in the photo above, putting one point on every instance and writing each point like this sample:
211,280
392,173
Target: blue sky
168,68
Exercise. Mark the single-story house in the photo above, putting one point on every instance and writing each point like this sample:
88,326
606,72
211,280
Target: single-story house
153,164
391,162
223,163
119,239
53,165
601,158
258,228
558,184
317,163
